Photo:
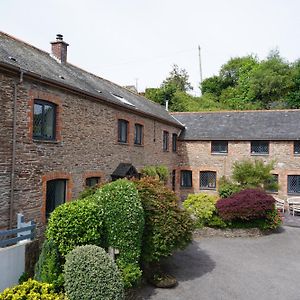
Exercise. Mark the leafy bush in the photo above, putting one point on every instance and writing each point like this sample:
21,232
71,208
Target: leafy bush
246,205
75,223
167,227
159,172
124,222
31,289
227,188
255,174
91,274
216,222
49,267
201,206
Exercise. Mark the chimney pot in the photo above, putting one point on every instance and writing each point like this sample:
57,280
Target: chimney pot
59,49
59,37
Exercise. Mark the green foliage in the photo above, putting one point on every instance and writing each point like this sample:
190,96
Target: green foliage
76,223
124,220
23,277
91,274
167,226
227,188
255,174
49,266
131,273
201,207
271,221
160,172
216,222
177,80
31,289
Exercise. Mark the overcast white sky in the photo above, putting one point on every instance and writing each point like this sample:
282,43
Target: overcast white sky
125,41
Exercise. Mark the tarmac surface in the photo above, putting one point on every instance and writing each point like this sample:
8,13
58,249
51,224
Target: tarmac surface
218,268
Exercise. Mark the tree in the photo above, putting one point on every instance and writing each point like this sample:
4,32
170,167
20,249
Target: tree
178,80
255,174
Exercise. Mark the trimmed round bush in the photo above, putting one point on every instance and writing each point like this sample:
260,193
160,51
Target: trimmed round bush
76,223
92,275
124,225
248,204
201,207
167,226
31,289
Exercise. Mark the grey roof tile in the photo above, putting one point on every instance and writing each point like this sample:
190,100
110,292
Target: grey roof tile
31,59
241,125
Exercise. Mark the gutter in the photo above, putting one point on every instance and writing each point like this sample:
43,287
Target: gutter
94,97
13,163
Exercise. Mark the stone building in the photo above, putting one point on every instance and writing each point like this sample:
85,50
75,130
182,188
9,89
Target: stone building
62,129
213,141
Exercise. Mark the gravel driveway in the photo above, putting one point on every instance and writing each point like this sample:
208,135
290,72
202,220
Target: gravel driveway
266,267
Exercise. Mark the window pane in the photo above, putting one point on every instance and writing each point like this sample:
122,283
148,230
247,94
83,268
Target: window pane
173,180
273,184
55,194
122,131
165,140
293,184
138,134
186,178
261,147
49,120
208,180
44,120
219,146
174,142
92,181
297,147
37,120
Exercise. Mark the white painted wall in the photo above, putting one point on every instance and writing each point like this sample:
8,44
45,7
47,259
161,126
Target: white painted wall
12,265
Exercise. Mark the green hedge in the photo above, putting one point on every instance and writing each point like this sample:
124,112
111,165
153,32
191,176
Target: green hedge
167,227
91,274
76,223
49,266
124,225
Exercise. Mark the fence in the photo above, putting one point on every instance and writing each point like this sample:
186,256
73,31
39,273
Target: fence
12,251
24,231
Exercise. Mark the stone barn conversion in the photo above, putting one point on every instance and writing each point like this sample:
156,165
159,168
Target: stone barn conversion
63,128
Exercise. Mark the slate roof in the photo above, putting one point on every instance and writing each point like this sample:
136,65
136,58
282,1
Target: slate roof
241,125
35,61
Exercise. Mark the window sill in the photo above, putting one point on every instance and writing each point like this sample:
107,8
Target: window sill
219,153
297,154
123,143
186,187
166,151
46,141
138,145
259,154
207,189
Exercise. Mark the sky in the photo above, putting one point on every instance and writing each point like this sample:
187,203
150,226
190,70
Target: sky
136,42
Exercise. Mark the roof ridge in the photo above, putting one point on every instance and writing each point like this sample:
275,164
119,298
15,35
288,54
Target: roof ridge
234,111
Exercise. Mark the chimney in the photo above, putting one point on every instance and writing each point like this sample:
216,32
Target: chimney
59,49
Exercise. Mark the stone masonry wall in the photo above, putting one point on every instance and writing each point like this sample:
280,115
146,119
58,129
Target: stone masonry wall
197,156
87,145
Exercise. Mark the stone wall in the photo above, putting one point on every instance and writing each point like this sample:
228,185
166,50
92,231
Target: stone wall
197,156
86,144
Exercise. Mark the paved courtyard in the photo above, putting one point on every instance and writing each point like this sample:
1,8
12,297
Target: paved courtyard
266,267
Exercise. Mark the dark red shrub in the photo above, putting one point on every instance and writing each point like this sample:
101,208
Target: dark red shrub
247,205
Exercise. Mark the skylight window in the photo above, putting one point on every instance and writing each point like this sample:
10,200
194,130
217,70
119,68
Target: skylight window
123,100
12,58
62,77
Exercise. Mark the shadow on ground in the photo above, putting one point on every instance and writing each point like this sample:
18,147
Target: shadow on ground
185,265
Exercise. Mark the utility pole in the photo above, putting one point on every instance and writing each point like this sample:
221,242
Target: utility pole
200,66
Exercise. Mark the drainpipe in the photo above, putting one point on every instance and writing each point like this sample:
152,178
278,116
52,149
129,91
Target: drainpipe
13,163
